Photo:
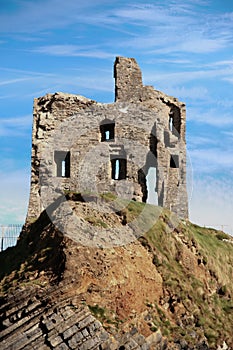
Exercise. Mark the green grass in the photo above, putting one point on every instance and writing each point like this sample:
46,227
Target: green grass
207,296
105,316
93,220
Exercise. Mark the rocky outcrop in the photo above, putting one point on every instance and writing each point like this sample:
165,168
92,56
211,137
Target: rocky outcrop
164,290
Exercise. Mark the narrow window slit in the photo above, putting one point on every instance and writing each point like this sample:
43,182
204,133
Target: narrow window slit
174,161
118,168
62,160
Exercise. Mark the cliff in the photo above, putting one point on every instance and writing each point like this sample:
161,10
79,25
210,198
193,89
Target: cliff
168,288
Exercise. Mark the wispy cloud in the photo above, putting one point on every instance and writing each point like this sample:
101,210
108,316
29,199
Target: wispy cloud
212,160
34,83
197,141
228,134
229,79
192,93
74,51
212,117
14,188
184,76
18,126
32,17
13,81
214,198
25,72
176,27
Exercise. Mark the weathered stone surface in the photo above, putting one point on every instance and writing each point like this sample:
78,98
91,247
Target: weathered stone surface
71,327
143,129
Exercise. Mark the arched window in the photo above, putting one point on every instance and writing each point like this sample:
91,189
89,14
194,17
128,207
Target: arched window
107,130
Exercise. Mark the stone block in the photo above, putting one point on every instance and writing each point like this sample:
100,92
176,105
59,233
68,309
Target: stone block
55,341
70,331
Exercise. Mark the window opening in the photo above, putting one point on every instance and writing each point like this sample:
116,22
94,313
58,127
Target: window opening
171,123
174,120
174,161
63,168
118,168
62,160
107,129
152,195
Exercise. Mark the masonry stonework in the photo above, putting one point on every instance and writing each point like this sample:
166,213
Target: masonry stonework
83,146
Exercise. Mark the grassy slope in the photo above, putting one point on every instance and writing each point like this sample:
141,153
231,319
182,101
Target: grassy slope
195,264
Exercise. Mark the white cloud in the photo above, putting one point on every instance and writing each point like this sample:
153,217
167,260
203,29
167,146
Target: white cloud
13,81
41,15
14,188
194,141
25,72
192,93
17,126
229,79
70,80
212,160
220,63
229,134
185,76
211,203
198,44
212,117
74,51
175,27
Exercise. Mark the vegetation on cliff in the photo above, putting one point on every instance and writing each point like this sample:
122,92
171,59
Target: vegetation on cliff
175,279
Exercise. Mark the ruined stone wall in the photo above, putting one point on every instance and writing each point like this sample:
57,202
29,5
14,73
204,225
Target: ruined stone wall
168,133
48,112
144,128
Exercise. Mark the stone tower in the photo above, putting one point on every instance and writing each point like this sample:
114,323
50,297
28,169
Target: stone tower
134,147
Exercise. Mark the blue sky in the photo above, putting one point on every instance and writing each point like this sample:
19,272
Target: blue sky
184,48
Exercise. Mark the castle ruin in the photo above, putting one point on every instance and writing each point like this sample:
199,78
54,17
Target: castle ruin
81,145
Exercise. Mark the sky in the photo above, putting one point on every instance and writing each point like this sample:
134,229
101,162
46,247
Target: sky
184,48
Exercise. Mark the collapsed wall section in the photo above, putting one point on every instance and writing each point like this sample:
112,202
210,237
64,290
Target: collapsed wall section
167,139
48,112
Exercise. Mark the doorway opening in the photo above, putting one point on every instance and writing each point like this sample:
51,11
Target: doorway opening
151,178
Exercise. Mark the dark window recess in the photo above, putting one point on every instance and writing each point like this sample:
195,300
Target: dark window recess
174,161
107,131
175,120
62,160
118,168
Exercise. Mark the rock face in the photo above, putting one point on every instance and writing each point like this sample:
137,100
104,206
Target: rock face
134,147
167,290
94,270
37,323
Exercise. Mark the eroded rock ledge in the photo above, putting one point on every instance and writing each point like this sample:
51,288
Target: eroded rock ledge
164,290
